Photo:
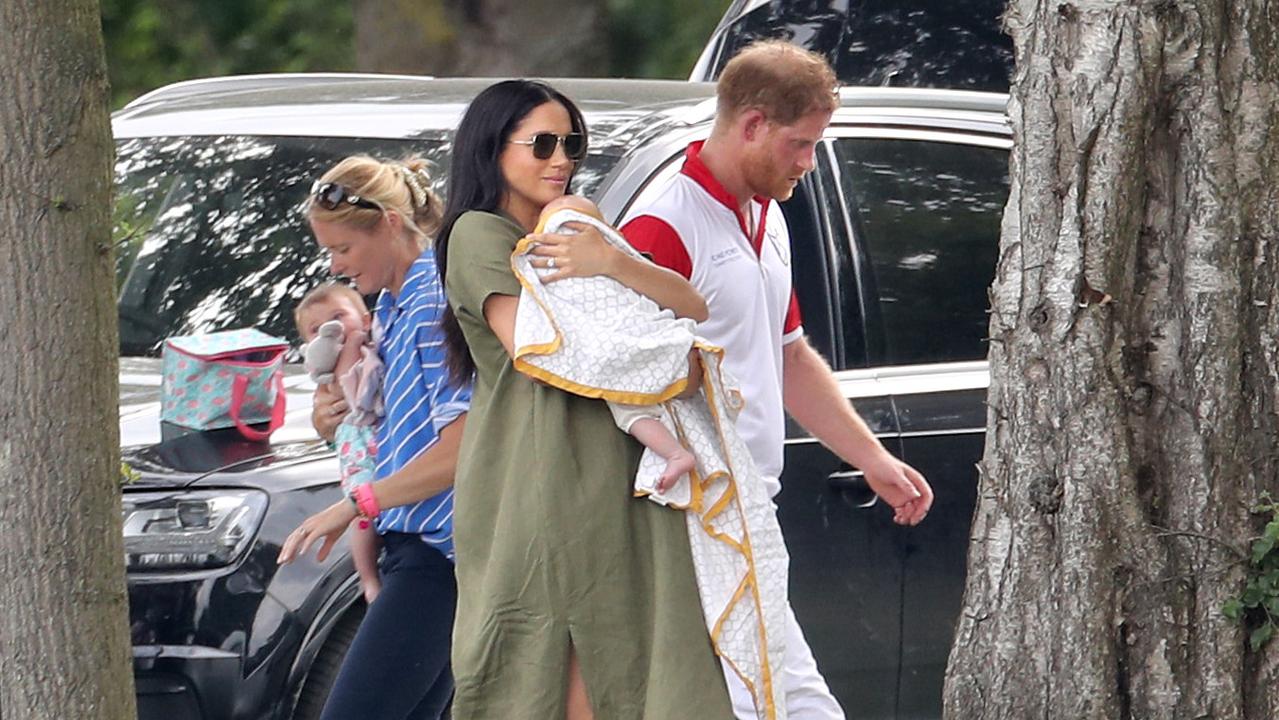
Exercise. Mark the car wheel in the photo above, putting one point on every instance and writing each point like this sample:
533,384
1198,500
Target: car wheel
324,671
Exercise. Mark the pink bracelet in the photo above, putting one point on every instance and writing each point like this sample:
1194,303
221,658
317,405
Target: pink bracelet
365,502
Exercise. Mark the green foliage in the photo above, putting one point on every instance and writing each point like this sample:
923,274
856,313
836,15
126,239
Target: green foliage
127,474
659,38
154,42
1258,605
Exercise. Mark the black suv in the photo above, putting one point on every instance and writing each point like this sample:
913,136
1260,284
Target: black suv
895,236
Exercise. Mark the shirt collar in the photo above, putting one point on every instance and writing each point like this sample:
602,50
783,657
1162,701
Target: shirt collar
414,280
697,171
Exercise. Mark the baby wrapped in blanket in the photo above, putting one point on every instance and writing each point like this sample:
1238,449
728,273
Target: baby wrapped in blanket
595,337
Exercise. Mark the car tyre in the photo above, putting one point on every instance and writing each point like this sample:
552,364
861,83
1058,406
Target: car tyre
324,671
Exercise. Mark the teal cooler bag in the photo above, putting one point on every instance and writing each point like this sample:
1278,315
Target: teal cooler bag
233,378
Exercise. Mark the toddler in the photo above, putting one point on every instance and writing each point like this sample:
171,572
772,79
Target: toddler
337,329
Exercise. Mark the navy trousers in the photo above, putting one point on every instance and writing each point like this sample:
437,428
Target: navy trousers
398,665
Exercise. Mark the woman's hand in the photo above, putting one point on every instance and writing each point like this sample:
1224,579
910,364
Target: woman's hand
329,524
579,254
327,410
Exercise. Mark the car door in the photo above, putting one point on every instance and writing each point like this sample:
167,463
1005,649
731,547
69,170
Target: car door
923,210
846,562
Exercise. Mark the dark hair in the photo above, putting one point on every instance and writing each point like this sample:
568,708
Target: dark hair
475,178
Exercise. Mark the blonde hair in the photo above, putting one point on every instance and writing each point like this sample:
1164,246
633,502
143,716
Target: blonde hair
781,80
402,187
319,294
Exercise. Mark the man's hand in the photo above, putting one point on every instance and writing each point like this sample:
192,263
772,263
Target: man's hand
902,487
328,409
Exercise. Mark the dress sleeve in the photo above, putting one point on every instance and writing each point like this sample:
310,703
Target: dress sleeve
479,261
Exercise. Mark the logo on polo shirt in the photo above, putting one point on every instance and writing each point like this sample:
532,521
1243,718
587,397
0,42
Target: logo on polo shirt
724,256
780,246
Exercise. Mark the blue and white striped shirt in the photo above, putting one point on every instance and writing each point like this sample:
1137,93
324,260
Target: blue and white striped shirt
419,398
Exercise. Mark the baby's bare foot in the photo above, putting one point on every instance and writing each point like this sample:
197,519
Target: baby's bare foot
677,464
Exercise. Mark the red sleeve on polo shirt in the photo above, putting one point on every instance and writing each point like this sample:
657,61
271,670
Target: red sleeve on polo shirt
660,242
793,319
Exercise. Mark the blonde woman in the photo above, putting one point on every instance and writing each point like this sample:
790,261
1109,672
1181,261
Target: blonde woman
374,219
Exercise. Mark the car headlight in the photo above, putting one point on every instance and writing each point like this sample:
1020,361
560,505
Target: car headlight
189,530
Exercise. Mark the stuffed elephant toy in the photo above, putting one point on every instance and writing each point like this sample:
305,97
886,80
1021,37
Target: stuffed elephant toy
320,356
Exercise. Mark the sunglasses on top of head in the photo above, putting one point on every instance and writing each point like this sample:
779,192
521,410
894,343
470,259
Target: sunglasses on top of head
543,145
331,195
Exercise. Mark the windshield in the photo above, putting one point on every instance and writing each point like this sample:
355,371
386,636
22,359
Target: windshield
209,235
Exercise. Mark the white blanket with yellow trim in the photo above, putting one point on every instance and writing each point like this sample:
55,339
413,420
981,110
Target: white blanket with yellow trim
597,338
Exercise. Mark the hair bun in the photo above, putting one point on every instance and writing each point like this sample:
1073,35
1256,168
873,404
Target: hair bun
418,181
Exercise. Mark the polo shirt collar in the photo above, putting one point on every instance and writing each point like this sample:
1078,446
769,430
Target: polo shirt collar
695,169
414,281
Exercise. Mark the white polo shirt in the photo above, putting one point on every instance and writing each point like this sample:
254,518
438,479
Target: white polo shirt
693,226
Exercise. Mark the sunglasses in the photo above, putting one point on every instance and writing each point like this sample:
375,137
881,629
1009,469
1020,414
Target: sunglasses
543,145
331,195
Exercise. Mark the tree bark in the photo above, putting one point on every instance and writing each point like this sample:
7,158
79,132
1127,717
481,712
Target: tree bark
547,38
1128,436
64,643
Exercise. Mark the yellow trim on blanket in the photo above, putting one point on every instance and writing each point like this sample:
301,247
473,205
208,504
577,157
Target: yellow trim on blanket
751,579
698,486
547,348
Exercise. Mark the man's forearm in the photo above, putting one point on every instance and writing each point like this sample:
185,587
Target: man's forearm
812,396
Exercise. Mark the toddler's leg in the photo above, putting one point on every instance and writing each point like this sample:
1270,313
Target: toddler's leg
365,545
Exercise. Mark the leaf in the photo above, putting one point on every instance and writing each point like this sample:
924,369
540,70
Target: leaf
1252,595
1272,530
1260,636
1260,548
1232,608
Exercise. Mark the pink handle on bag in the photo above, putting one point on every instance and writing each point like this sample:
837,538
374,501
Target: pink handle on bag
238,388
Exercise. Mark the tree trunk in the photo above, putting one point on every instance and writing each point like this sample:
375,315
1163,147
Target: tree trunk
1129,435
64,643
547,38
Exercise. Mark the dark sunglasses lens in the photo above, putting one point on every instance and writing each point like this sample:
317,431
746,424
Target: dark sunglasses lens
544,145
330,195
574,146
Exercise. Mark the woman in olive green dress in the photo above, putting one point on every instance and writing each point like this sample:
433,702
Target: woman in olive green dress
574,597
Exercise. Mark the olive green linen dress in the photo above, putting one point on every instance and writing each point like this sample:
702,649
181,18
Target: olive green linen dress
553,549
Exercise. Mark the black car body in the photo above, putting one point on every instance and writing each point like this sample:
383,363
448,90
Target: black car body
894,237
890,43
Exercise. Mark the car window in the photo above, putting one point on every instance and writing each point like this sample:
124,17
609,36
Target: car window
927,215
957,44
209,234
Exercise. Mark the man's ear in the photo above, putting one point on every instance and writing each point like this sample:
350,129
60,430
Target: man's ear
751,123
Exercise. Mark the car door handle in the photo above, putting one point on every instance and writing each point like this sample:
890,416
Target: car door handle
853,482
